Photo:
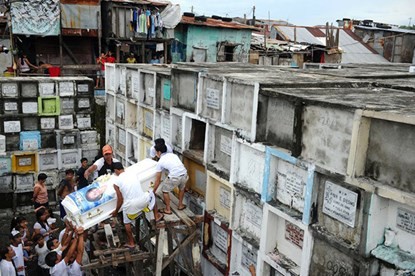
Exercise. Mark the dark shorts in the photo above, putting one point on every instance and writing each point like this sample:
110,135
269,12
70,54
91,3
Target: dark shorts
37,205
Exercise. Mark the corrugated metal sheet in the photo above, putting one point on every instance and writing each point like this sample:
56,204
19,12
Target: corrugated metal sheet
316,32
160,3
355,51
81,2
302,35
392,29
79,16
215,23
358,38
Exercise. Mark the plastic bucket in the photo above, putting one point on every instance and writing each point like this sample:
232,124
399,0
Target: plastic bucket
54,71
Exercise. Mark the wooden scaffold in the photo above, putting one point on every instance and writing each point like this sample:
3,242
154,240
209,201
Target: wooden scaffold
168,243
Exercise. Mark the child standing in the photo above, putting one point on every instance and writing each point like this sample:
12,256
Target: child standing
17,246
41,251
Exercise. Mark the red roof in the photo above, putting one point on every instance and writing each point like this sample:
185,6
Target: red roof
215,23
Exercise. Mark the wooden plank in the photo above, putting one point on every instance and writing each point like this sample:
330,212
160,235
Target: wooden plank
180,213
114,259
121,259
170,248
160,246
187,241
110,251
185,258
163,224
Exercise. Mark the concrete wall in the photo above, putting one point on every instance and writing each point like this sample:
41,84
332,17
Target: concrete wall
350,236
211,102
248,166
222,150
327,260
276,121
327,135
241,107
390,154
387,215
185,89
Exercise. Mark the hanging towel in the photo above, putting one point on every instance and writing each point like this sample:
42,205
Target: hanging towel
142,23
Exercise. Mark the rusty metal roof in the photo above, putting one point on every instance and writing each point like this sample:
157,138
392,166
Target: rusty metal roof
80,2
159,3
353,48
316,32
216,23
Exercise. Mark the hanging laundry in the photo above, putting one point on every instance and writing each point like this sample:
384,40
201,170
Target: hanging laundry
159,20
152,26
142,23
137,29
148,13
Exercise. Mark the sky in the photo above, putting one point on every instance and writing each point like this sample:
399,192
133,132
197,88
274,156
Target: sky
306,12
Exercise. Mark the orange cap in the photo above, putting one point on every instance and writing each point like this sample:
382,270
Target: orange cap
106,149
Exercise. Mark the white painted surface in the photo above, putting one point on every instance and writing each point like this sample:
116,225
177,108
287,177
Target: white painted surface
66,88
66,122
340,203
24,182
48,160
243,255
83,88
287,183
83,121
389,214
2,143
327,136
47,123
248,166
12,126
9,90
29,107
46,89
273,234
68,159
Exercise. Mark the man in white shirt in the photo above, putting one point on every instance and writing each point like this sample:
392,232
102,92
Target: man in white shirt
74,268
103,165
159,141
177,177
57,264
6,266
131,198
17,246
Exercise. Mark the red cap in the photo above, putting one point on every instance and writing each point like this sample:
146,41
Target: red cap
106,149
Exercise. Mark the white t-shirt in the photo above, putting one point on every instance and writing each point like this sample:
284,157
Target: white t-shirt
61,233
18,259
42,230
100,162
7,268
74,269
130,189
171,163
60,269
153,150
42,252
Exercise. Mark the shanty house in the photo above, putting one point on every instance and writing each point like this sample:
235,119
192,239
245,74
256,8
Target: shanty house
217,39
322,45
